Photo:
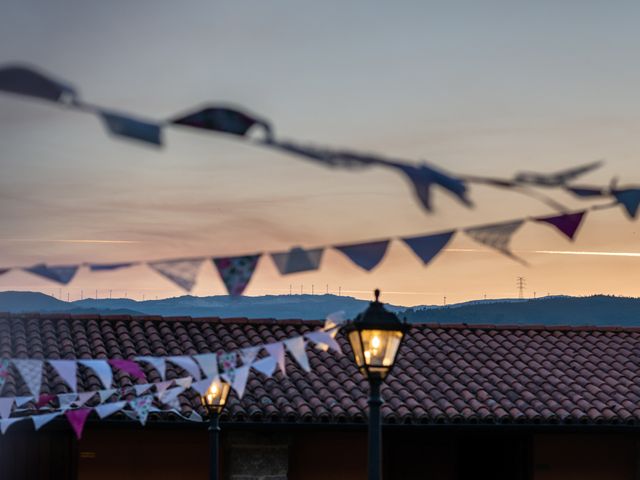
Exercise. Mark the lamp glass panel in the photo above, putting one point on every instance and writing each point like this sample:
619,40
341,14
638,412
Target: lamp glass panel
216,395
380,347
354,340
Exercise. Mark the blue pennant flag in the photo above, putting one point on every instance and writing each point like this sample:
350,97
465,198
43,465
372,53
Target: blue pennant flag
365,255
58,273
428,246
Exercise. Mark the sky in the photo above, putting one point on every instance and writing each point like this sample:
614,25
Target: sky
484,88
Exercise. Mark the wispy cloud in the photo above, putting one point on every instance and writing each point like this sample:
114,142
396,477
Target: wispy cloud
552,252
64,240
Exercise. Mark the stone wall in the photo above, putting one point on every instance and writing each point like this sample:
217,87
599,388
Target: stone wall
256,456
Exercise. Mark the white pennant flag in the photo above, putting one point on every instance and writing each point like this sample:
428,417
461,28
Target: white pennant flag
296,347
31,372
335,319
106,394
266,365
6,403
182,272
240,376
325,339
203,385
67,369
41,420
497,236
170,397
248,355
66,399
83,398
21,401
184,382
162,386
276,350
187,364
107,409
7,422
140,389
102,369
208,363
156,362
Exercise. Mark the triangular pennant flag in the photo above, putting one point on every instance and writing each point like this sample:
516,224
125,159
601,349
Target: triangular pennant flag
496,236
184,382
77,419
140,389
66,399
249,354
4,270
187,364
100,267
83,398
236,272
7,422
208,363
222,119
106,394
587,192
25,80
31,372
555,179
266,365
44,399
141,406
365,255
203,385
276,350
335,319
162,386
324,338
6,403
156,362
22,401
228,361
567,223
41,420
135,129
296,347
170,396
629,199
297,260
128,366
62,274
183,273
67,369
426,247
240,380
107,409
102,370
4,371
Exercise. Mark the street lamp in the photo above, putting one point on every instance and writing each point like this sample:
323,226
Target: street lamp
214,400
375,336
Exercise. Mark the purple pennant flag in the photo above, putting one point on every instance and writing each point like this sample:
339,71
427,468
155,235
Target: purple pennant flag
297,260
77,419
365,255
567,223
4,371
132,368
27,81
428,246
222,119
122,126
4,270
236,272
587,192
629,199
58,273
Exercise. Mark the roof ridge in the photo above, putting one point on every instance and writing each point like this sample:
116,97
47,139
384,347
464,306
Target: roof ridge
533,327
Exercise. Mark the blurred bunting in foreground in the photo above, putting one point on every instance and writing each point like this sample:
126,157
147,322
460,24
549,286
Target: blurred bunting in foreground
59,273
365,255
426,247
123,126
221,119
497,236
297,260
629,199
568,223
28,81
183,272
236,272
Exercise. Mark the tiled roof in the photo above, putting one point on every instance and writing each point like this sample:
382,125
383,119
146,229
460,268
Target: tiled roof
445,374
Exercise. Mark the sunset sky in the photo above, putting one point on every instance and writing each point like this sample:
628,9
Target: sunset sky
486,88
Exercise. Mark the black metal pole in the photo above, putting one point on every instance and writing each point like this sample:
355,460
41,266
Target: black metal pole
214,441
375,431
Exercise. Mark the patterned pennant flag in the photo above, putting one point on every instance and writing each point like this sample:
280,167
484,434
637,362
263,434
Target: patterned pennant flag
107,409
7,422
101,267
156,362
208,363
266,365
140,389
629,199
4,371
25,80
496,236
567,223
41,420
426,247
187,364
67,369
77,419
236,272
324,338
297,260
248,355
181,272
6,404
62,274
102,370
141,406
66,399
31,372
228,361
276,350
135,129
222,119
127,366
296,347
365,255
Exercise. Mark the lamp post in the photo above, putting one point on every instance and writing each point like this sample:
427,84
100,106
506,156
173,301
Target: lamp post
214,400
375,336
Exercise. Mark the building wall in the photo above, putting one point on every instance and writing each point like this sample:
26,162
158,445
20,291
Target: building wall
585,457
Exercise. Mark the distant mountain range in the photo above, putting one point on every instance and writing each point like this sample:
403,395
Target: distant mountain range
596,310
